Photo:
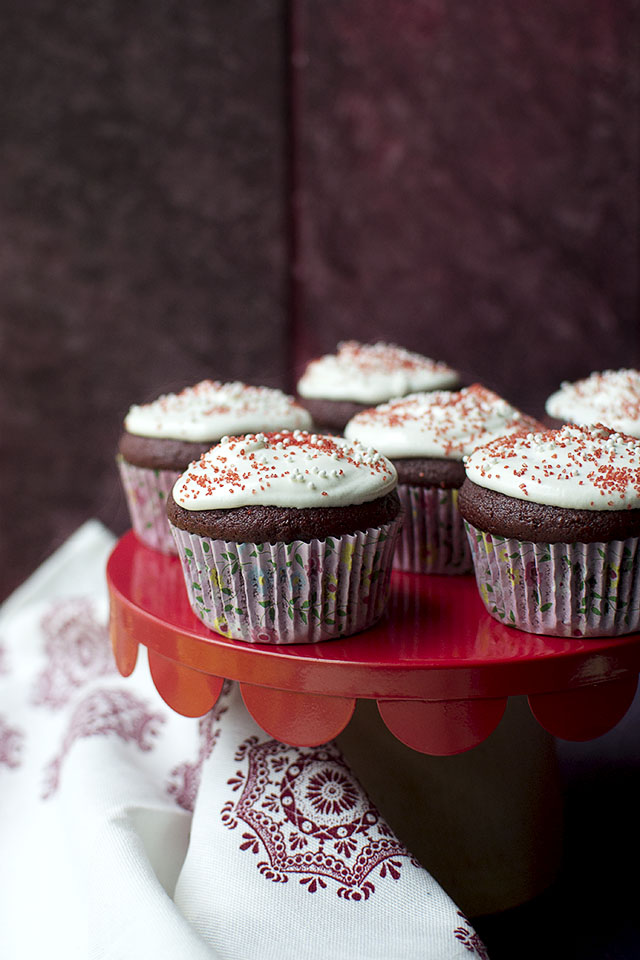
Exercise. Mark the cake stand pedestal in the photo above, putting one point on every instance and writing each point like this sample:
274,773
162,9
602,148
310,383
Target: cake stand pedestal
433,678
440,668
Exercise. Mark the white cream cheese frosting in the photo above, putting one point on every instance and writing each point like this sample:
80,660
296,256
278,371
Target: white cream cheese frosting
284,469
584,468
437,424
611,397
211,409
371,373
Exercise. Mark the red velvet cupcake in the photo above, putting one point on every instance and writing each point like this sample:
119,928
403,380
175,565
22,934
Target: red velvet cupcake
286,537
611,397
426,436
553,520
336,387
161,438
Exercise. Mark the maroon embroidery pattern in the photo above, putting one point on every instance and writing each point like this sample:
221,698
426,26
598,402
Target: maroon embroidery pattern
77,649
10,745
470,940
185,778
304,811
101,713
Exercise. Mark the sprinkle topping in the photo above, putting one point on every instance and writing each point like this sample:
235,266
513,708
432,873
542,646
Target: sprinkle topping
586,468
611,397
372,372
438,424
210,409
284,469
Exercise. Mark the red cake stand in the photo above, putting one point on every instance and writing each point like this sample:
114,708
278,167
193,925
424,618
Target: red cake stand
440,668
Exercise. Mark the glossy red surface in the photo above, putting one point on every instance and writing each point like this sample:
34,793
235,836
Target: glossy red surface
435,643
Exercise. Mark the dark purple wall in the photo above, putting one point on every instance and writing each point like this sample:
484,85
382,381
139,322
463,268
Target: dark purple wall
468,183
465,183
142,246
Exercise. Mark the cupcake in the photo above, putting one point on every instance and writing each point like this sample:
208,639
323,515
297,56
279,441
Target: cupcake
612,398
426,435
336,387
161,438
286,537
553,520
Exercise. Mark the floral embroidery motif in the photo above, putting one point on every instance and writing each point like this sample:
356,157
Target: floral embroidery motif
331,792
10,745
470,940
101,713
574,590
185,778
77,649
303,811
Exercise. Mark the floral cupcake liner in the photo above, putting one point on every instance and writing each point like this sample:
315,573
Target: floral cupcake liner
288,592
432,539
146,491
566,590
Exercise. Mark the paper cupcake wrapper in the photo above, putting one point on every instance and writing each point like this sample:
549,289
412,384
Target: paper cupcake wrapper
432,539
146,491
566,590
288,592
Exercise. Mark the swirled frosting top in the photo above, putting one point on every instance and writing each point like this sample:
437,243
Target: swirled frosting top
211,409
372,372
611,397
437,424
284,469
584,468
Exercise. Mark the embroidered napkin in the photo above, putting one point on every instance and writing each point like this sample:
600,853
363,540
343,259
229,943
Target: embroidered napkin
128,831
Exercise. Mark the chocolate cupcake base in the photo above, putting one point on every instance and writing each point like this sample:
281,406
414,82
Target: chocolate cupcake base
331,414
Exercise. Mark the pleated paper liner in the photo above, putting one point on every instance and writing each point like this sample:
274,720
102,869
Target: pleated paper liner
432,539
289,592
146,492
566,590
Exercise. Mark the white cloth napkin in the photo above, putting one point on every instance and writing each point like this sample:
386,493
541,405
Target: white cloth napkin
127,831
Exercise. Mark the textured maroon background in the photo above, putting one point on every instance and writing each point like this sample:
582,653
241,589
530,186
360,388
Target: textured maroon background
142,240
464,182
468,183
